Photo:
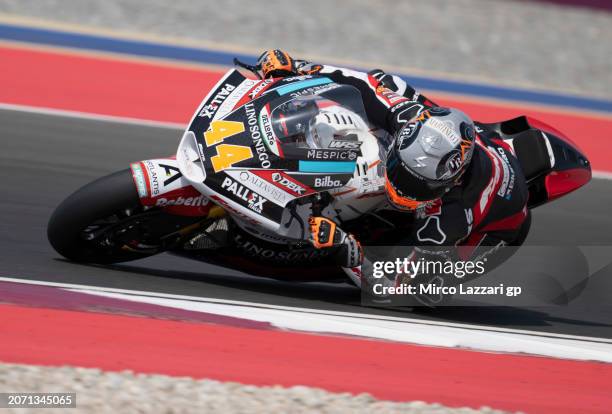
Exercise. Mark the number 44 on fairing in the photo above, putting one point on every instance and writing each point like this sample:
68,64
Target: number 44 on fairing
227,154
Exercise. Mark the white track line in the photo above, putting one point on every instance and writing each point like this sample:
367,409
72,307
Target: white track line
91,116
78,287
410,331
602,175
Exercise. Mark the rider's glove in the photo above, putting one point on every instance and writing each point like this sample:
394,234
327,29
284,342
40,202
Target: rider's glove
275,63
325,233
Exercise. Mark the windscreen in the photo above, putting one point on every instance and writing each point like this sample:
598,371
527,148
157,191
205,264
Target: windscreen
316,120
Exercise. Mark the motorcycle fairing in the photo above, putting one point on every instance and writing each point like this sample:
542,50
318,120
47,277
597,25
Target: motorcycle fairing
160,183
223,152
553,164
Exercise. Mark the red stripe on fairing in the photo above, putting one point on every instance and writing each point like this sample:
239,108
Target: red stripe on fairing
504,145
147,180
171,94
386,95
488,193
387,370
187,191
373,81
247,96
559,183
267,176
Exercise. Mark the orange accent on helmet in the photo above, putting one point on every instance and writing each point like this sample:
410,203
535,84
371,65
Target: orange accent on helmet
423,116
465,146
400,201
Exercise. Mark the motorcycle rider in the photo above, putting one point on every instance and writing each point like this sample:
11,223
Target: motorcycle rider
459,179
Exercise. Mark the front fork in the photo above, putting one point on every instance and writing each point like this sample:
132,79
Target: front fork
160,183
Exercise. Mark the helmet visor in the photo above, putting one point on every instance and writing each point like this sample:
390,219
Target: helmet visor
401,202
408,184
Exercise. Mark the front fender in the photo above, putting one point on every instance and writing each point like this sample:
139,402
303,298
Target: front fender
160,183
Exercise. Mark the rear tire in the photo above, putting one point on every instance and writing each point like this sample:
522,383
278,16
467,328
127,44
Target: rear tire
95,201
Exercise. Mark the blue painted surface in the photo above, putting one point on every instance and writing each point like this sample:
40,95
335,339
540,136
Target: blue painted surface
327,166
190,54
283,90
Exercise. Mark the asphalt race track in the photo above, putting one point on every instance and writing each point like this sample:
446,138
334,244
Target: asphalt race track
44,158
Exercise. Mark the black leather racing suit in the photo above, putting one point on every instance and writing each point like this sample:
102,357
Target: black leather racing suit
488,208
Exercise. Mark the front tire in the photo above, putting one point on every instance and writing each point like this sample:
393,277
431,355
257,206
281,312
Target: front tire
109,199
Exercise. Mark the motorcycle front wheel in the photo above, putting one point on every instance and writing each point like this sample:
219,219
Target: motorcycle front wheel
103,222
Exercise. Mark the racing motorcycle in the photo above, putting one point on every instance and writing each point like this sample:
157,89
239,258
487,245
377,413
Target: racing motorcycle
256,158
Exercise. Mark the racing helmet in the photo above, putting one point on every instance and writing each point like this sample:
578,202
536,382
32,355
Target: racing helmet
428,157
336,123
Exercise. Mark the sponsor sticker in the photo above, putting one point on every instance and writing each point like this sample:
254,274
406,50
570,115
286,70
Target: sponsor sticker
228,104
153,177
261,186
286,89
315,90
407,133
163,176
327,182
256,136
332,155
507,185
263,85
453,164
253,200
256,202
297,78
211,108
190,159
269,137
390,96
253,249
291,186
446,130
342,144
197,201
139,179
